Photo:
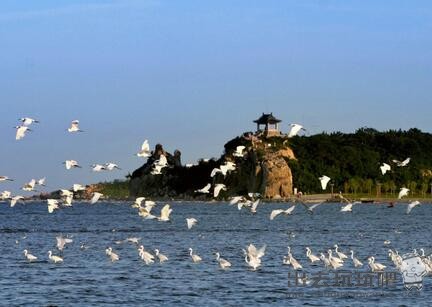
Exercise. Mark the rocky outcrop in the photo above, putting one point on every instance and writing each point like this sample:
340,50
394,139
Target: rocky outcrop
262,169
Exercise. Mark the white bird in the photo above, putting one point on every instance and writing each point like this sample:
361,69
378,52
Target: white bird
61,242
276,212
162,257
16,199
71,163
191,222
239,152
311,256
41,182
145,255
133,240
29,186
144,213
138,202
254,206
78,187
335,262
145,150
253,256
27,121
217,188
311,208
5,195
341,255
195,257
95,198
324,181
21,131
157,170
5,178
356,262
237,199
113,256
295,128
385,168
165,213
111,166
204,190
403,192
29,256
412,205
375,266
223,169
223,263
54,259
402,163
98,167
74,127
162,161
348,207
325,260
52,205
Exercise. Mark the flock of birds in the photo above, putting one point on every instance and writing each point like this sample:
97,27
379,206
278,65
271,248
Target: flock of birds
331,259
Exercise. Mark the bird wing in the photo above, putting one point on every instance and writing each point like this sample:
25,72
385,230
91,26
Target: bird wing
218,187
324,180
295,128
255,205
215,171
315,205
95,197
165,212
191,222
289,210
20,133
275,213
145,146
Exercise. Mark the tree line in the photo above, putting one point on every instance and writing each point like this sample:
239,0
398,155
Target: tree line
352,161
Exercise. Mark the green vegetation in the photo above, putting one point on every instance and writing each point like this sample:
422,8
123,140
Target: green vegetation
353,161
118,189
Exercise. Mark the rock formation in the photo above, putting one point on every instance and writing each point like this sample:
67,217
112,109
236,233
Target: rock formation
263,169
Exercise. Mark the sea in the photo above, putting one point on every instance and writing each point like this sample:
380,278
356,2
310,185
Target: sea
87,277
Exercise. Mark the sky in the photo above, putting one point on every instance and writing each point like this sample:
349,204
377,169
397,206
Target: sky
192,75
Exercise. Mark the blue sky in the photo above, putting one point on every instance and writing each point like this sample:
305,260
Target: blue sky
193,74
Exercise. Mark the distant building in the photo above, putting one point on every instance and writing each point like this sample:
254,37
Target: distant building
268,125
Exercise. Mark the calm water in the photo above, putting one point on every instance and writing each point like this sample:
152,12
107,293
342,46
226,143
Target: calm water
87,277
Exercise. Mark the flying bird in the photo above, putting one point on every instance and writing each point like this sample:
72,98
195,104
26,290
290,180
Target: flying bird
295,129
412,205
78,187
29,187
402,163
111,166
217,188
145,150
385,168
95,198
204,190
403,192
165,213
27,121
5,195
16,199
52,205
74,127
191,222
62,241
98,167
324,181
5,178
21,131
71,163
276,212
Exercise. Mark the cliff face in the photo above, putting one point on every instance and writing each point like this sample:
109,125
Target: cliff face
263,169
